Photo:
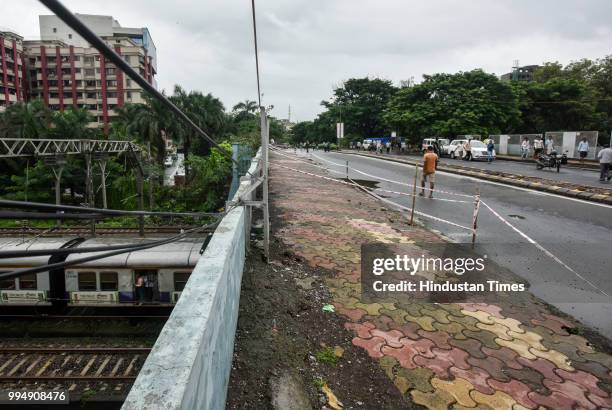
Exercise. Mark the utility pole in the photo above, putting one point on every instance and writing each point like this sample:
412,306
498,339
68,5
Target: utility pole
101,158
265,135
89,187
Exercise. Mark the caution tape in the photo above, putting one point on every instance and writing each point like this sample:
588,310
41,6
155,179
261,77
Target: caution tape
541,248
353,183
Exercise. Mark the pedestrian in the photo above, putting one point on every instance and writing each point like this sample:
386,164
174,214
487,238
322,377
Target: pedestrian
525,148
490,148
358,145
403,147
550,145
467,148
140,288
583,149
430,160
307,145
388,146
538,146
605,161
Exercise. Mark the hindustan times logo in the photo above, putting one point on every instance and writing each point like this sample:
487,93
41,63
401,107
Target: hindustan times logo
410,265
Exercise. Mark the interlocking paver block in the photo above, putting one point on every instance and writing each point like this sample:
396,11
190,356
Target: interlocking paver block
455,356
498,400
437,400
476,376
372,345
472,346
439,338
392,337
557,358
483,317
419,377
458,388
492,366
571,389
404,355
517,390
585,379
363,330
518,346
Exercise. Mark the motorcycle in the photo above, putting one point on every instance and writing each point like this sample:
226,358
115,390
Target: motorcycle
551,161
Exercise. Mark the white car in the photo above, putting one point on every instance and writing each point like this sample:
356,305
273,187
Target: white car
454,149
479,150
429,142
168,162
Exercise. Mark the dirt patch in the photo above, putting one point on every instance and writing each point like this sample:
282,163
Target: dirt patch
282,328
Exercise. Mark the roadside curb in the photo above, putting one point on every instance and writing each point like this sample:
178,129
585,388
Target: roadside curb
514,181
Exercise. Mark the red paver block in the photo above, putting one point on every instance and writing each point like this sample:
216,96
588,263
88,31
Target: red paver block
439,366
439,338
392,337
363,330
519,391
584,379
405,355
542,366
506,355
373,345
475,375
455,356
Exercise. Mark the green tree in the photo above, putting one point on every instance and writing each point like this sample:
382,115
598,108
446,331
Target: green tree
72,124
359,103
448,105
26,120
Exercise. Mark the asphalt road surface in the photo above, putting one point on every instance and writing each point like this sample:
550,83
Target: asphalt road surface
567,174
577,232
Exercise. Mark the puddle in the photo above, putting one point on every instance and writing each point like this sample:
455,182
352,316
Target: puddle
517,216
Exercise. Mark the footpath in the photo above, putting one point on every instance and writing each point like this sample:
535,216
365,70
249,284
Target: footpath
585,192
514,354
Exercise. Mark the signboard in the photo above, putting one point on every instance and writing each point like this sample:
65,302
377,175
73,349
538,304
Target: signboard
22,296
93,297
340,130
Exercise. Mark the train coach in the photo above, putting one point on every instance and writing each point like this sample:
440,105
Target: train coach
154,276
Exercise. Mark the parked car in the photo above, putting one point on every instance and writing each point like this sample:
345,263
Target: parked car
429,142
479,150
454,149
168,162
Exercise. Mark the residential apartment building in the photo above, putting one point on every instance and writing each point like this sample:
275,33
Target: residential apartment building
12,68
64,71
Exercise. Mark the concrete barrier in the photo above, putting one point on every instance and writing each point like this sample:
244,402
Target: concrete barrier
189,365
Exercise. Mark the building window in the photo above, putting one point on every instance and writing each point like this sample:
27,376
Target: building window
87,281
90,72
128,82
69,35
108,281
88,60
129,95
180,280
77,58
92,95
54,30
111,94
111,83
27,282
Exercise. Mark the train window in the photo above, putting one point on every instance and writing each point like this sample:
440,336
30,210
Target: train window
7,284
27,282
87,281
109,281
180,280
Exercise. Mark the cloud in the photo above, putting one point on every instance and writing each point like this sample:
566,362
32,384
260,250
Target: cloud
307,47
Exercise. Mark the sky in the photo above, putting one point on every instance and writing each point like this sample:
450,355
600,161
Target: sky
309,47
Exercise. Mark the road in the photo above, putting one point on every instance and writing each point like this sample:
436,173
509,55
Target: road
577,232
176,167
573,175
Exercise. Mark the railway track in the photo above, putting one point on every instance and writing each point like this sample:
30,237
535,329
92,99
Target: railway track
114,367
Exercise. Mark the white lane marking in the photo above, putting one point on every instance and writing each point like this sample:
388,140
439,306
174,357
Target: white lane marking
541,248
531,191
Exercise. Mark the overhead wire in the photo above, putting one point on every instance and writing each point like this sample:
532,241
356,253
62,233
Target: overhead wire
77,25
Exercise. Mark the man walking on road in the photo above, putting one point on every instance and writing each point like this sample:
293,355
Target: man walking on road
605,159
467,147
490,148
583,149
525,148
430,159
550,145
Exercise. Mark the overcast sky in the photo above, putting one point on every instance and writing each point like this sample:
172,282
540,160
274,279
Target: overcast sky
309,46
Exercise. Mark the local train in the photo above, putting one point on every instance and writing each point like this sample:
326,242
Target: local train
160,272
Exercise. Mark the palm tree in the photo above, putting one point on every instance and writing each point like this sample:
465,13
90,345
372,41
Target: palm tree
244,109
206,111
26,120
72,124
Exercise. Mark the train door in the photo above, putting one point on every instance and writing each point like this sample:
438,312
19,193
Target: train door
151,284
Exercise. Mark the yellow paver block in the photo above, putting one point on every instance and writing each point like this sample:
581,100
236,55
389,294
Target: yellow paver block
519,346
387,363
437,400
397,315
534,339
481,316
372,308
424,321
499,330
332,400
497,401
558,358
510,323
458,388
402,384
